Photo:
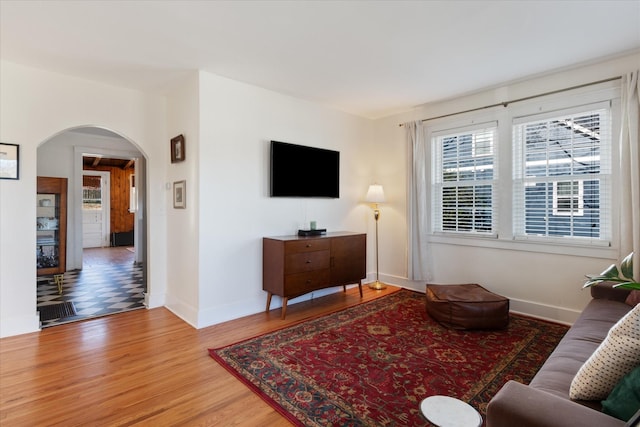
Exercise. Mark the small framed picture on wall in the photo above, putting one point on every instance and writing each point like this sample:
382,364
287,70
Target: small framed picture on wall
177,149
180,194
9,161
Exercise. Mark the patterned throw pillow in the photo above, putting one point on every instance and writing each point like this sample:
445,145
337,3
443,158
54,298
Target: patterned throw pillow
633,298
616,356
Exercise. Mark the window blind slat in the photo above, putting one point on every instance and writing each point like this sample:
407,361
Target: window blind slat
465,164
560,185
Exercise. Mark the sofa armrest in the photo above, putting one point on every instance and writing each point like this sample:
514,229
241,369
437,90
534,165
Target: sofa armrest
605,290
519,405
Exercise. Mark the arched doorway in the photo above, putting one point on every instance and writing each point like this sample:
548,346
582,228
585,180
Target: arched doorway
107,275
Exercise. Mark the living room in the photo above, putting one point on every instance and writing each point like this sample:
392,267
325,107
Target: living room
204,262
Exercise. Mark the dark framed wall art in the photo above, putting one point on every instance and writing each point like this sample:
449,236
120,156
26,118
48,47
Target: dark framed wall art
180,194
9,161
177,149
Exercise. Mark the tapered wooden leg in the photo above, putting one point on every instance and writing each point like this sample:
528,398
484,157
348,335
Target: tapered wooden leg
344,288
360,288
284,307
269,295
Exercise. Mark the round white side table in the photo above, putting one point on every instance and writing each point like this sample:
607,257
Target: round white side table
445,411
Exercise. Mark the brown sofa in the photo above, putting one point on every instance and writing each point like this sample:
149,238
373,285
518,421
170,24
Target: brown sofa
545,401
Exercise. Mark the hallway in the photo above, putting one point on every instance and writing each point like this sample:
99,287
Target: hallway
109,283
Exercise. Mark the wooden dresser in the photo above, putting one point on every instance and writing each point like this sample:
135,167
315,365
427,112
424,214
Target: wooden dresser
295,265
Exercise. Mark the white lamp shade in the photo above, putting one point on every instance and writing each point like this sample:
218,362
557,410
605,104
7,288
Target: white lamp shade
375,194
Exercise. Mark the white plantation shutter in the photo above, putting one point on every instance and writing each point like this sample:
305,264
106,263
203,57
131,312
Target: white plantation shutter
465,176
562,175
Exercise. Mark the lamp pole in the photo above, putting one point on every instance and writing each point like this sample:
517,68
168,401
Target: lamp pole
375,195
377,285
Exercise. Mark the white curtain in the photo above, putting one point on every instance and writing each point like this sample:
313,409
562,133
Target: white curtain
418,215
630,170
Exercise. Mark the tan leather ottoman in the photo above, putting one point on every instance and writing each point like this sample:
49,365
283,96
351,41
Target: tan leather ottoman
468,306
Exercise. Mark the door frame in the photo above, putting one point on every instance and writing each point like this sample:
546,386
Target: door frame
74,260
105,180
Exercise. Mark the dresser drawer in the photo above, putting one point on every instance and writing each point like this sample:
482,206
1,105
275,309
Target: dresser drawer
306,261
301,283
295,265
306,245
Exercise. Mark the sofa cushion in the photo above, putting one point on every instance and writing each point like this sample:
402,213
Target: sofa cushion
618,354
576,346
606,290
518,405
633,298
624,400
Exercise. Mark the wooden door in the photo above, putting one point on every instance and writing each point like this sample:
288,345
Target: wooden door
95,209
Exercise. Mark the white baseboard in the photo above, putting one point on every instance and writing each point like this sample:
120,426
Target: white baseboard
18,325
154,300
551,313
183,310
545,312
214,315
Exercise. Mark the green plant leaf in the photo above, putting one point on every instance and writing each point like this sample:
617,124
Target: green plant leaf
591,283
628,285
611,274
612,271
626,266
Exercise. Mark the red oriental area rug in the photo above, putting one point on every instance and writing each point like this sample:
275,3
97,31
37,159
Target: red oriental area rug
372,364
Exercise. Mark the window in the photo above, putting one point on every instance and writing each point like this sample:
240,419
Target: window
133,195
533,175
568,198
91,193
562,174
465,177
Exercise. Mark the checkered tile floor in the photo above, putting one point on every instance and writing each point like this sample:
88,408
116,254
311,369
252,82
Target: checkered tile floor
96,290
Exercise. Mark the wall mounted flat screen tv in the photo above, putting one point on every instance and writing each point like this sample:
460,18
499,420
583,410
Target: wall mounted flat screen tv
301,171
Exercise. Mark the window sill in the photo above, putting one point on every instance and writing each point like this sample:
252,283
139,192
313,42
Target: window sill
572,249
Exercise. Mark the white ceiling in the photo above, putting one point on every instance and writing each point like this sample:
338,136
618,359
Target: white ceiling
370,58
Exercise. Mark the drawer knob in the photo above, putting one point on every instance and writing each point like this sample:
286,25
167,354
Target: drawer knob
308,261
308,280
308,245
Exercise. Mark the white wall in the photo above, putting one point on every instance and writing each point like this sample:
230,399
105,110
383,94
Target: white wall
237,122
541,284
183,225
60,157
206,261
34,106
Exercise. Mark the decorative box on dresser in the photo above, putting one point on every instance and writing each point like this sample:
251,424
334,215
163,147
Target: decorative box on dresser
295,265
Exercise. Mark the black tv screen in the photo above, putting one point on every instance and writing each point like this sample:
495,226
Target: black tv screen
300,171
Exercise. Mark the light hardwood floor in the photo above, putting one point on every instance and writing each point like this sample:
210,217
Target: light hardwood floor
145,367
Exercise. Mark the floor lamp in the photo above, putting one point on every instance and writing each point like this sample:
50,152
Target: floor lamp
375,195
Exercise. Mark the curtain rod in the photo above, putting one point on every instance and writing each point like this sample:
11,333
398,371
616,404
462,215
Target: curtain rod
526,98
